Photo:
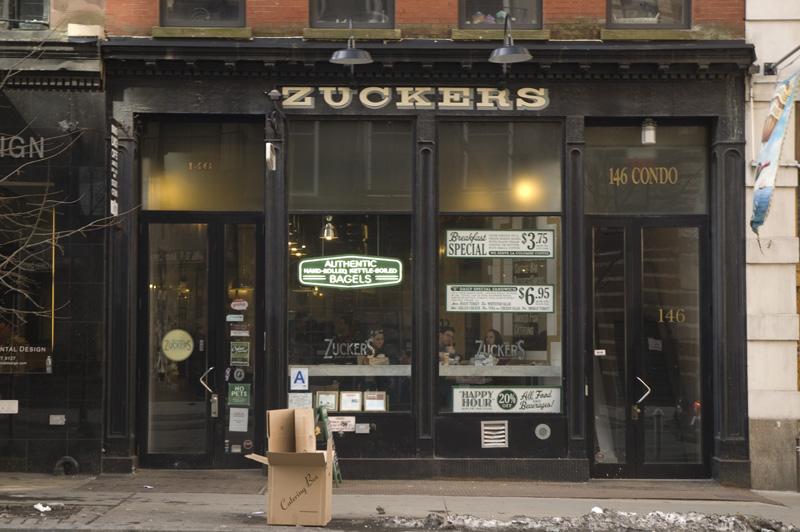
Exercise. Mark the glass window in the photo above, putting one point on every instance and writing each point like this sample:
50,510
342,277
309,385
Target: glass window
649,14
349,304
491,14
364,13
500,166
203,13
26,296
350,165
25,14
202,166
500,314
625,176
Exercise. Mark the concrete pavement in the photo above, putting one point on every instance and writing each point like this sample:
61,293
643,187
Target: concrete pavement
171,500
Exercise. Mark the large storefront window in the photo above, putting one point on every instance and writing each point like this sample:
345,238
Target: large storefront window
499,275
350,282
363,13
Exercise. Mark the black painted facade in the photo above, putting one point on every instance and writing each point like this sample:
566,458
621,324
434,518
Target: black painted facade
588,83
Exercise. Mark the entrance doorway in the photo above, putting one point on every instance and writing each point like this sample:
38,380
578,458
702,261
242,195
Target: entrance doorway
200,340
646,337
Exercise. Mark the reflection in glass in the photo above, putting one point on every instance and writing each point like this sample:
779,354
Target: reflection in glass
350,165
671,344
203,13
499,166
650,14
482,348
178,301
488,14
623,176
355,338
202,166
364,13
608,331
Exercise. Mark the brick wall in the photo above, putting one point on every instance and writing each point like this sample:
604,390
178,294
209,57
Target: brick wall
417,18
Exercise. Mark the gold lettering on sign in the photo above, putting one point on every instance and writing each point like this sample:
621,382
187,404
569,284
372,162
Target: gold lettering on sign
671,315
643,175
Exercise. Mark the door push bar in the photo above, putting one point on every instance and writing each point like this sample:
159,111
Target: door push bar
214,397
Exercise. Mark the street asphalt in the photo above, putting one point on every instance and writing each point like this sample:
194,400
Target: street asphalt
171,500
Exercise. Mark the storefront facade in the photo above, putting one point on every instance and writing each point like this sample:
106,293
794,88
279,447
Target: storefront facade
483,275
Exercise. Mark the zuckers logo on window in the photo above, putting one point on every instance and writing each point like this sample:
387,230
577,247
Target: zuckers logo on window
419,98
350,271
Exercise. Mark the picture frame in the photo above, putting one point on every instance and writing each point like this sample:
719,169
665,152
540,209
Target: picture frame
350,401
328,399
375,401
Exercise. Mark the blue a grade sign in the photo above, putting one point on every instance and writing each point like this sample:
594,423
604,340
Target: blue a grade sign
351,271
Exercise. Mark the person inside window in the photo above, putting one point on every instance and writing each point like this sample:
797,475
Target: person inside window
376,349
489,353
447,343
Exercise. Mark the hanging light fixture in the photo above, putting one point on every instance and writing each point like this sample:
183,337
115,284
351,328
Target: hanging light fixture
351,55
648,131
328,230
509,52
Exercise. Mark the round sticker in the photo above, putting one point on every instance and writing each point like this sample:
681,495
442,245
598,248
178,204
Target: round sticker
239,304
177,345
247,444
238,374
507,399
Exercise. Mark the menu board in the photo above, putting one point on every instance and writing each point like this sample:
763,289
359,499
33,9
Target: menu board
500,298
494,244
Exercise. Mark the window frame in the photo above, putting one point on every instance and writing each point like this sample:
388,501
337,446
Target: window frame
684,24
463,15
164,20
11,10
314,22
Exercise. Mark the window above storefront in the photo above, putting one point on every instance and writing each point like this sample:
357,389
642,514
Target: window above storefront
491,14
500,166
364,13
203,13
649,14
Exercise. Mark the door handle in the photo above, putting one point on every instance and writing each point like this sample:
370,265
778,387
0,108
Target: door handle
214,397
203,376
645,393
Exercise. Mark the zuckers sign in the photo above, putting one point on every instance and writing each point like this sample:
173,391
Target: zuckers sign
418,98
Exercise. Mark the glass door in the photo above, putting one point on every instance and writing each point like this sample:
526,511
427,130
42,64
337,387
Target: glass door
646,338
199,364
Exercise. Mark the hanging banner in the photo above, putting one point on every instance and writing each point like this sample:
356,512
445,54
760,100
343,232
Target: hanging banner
769,154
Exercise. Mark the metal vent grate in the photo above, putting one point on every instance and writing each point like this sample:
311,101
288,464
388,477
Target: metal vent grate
494,434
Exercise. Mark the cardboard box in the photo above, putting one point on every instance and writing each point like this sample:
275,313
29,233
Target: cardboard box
291,430
299,487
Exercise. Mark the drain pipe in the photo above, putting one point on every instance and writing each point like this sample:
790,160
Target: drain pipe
797,459
66,465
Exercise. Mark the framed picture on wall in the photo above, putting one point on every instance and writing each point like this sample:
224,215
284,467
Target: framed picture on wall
327,399
375,402
350,401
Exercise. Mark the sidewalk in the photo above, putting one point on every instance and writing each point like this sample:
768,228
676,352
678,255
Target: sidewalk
171,500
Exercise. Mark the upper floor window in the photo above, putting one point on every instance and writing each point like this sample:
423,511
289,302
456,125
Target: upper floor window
649,14
25,14
203,13
364,13
491,14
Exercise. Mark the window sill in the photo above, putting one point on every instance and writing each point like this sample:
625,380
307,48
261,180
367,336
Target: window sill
640,34
498,35
203,33
361,34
